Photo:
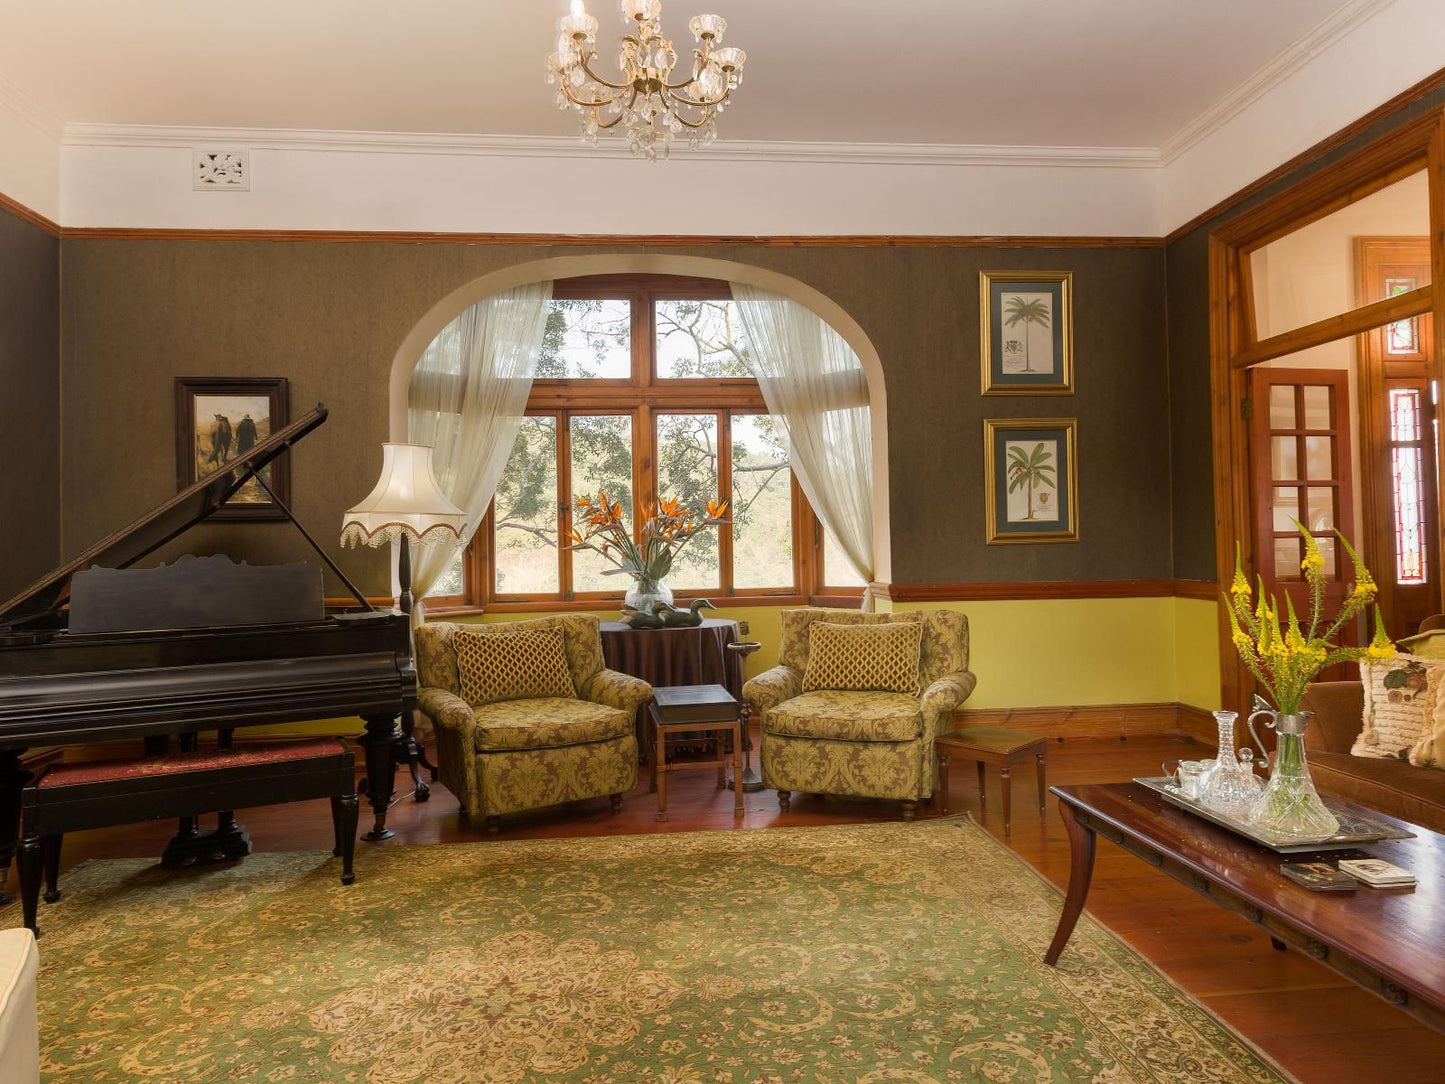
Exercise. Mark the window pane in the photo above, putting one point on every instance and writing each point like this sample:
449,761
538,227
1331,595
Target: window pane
1281,407
838,571
762,504
687,469
526,513
1317,407
700,339
1309,274
587,339
601,460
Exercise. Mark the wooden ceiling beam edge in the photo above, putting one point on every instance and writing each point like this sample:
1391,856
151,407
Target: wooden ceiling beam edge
1346,324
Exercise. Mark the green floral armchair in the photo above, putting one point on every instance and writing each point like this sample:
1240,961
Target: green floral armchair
864,744
526,754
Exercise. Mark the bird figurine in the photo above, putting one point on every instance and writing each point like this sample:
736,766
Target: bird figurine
690,618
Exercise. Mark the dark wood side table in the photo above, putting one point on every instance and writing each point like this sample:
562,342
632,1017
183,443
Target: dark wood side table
991,745
693,709
1389,941
673,657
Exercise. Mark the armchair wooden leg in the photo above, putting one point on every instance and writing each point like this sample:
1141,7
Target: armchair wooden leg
494,823
616,800
785,799
910,809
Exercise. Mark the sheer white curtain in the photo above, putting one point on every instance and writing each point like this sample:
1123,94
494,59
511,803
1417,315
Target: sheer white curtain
814,382
467,400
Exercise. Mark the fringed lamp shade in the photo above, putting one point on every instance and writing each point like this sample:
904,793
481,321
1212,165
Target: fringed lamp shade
407,504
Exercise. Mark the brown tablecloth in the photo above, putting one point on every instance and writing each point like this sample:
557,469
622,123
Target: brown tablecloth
697,656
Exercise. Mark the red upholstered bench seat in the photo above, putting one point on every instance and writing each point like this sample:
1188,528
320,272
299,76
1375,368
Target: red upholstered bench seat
202,760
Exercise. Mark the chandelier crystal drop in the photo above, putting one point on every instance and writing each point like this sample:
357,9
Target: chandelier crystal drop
650,102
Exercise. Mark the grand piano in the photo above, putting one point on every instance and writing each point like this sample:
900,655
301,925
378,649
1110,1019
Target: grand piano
88,654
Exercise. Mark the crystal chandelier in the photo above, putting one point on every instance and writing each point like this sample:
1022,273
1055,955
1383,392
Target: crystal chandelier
646,102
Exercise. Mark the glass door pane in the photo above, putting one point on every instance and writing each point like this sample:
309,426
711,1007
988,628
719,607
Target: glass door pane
525,513
762,504
687,468
601,462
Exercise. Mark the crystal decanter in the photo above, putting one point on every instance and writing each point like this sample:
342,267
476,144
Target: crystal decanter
1230,787
1290,807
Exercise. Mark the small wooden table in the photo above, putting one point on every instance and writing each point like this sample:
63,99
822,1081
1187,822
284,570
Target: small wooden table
1390,941
991,745
691,709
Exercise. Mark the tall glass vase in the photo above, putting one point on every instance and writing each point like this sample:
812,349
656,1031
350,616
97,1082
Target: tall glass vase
644,593
1290,807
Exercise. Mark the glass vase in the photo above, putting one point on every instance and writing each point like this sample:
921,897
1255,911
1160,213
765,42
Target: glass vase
644,593
1290,807
1230,787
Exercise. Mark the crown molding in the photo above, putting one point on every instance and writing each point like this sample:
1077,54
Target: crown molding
19,104
1279,68
528,146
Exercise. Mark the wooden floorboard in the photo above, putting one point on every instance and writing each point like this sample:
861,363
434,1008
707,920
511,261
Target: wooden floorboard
1317,1025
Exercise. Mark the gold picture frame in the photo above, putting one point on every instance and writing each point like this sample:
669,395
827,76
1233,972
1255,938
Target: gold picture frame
1049,511
1043,302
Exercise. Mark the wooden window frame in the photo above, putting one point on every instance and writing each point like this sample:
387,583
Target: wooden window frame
644,396
1234,346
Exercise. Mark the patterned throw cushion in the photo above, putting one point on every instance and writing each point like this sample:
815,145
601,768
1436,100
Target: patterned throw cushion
793,650
512,666
1400,698
864,658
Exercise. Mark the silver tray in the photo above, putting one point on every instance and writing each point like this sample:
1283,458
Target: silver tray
1355,827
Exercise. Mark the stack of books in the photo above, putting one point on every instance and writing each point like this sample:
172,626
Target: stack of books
1377,873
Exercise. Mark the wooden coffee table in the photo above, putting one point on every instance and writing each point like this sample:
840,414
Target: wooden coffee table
1390,941
999,746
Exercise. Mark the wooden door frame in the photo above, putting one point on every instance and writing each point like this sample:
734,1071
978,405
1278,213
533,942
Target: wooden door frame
1233,347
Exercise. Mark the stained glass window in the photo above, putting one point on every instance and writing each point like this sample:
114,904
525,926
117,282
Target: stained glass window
1403,336
1406,462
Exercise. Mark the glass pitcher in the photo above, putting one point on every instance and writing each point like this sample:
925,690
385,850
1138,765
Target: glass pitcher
1290,807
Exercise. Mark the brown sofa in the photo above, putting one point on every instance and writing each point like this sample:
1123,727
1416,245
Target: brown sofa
1395,787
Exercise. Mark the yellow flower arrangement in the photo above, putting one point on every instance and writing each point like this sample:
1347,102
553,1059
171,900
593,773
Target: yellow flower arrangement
1284,655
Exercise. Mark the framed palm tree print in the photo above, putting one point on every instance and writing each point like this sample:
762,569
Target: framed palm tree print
1027,343
1032,480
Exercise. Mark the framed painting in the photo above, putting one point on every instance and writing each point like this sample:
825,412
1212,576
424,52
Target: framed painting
1032,480
221,418
1027,342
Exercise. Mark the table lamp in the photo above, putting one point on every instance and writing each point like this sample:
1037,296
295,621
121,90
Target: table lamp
407,505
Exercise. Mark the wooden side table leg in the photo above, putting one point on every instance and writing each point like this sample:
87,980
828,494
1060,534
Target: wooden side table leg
654,752
659,769
737,771
1081,871
942,783
1005,780
1043,786
982,786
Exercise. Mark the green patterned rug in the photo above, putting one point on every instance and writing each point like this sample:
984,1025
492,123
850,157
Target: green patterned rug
867,953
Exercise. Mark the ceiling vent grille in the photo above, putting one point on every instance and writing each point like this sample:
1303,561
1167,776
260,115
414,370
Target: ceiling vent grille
221,171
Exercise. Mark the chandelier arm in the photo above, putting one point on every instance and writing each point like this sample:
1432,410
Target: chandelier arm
704,55
587,103
702,103
699,123
586,67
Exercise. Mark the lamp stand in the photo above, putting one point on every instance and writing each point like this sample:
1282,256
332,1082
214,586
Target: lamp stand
415,755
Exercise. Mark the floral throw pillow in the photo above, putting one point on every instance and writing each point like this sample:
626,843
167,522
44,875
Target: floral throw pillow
1400,701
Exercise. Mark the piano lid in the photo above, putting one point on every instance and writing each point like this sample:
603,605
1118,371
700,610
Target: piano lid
158,526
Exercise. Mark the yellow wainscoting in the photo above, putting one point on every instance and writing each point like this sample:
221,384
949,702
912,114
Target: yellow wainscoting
1026,652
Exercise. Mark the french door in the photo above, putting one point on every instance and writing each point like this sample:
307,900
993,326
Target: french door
1300,449
1397,436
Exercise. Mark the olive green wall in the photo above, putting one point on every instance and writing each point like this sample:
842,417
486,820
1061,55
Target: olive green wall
29,403
330,316
1188,335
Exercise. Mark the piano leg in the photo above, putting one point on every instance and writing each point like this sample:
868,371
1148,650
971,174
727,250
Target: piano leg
385,746
13,778
192,847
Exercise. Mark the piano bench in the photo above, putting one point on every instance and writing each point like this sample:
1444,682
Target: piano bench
102,793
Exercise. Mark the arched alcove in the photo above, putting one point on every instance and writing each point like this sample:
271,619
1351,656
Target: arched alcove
564,267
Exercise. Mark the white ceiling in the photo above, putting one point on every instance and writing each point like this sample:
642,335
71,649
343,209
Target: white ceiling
1070,73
